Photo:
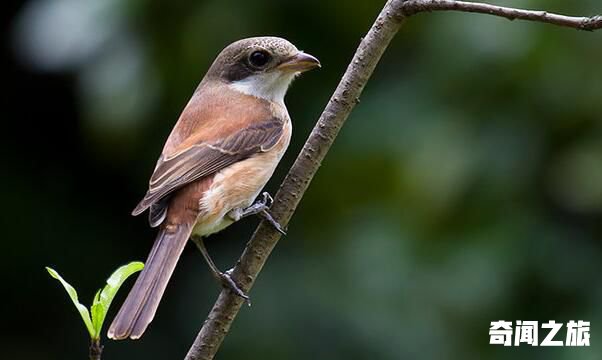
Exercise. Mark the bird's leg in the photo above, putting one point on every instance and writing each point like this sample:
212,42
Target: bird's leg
223,277
260,207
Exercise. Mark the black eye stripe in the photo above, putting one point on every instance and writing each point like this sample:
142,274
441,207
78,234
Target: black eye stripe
259,58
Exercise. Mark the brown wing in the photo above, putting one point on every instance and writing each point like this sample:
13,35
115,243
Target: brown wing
206,158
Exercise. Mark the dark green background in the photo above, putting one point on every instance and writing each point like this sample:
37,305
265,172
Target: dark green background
465,188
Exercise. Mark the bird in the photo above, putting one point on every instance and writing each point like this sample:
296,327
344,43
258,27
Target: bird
220,154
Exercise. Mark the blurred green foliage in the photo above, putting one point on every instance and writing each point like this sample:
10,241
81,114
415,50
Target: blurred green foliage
465,188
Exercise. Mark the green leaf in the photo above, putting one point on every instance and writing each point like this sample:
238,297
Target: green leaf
104,297
97,311
83,311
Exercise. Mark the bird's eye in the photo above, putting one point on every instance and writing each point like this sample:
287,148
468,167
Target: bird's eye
259,58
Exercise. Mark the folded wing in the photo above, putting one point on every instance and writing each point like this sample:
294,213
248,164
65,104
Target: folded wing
205,158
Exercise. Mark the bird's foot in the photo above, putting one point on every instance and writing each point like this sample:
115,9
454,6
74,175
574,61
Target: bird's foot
260,205
225,279
261,208
265,214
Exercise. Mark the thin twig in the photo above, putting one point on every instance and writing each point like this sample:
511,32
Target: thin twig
411,7
345,97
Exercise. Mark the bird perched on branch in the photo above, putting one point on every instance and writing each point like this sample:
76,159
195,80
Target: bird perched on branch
220,154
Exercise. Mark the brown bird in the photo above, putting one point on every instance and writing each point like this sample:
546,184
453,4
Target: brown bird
220,154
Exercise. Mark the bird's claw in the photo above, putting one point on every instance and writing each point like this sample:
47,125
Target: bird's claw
225,279
265,214
267,200
261,207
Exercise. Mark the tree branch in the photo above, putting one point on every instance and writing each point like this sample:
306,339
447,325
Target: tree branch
345,97
411,7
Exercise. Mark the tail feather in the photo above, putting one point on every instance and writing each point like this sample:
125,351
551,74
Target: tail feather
140,306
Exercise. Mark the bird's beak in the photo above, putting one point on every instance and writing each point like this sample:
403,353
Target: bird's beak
299,63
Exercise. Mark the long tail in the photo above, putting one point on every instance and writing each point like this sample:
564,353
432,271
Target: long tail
141,304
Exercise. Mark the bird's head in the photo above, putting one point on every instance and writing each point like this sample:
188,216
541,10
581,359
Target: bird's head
261,66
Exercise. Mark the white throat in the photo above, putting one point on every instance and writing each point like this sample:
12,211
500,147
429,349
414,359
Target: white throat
270,86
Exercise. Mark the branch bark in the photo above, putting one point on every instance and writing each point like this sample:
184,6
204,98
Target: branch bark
411,7
345,97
